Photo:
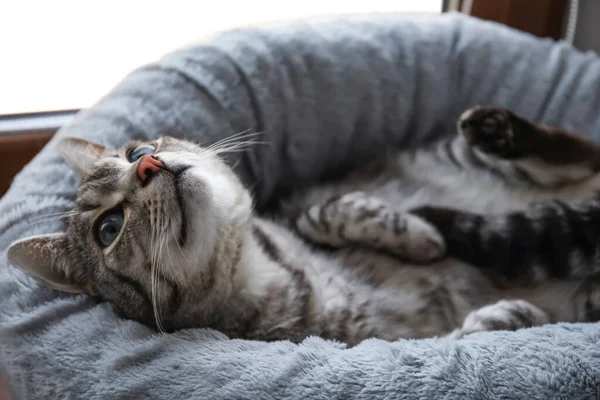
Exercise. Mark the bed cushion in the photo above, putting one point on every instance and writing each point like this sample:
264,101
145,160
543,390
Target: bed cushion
327,95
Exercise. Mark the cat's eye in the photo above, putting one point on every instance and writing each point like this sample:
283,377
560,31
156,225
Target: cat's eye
109,226
138,152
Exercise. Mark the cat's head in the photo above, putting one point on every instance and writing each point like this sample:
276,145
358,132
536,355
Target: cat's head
157,229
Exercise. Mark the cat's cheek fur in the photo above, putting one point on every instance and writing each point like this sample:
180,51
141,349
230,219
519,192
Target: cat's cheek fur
211,199
213,204
254,272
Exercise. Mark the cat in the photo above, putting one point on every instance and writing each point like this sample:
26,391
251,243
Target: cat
494,228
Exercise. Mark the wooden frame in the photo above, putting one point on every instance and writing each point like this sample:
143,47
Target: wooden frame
544,18
16,150
22,136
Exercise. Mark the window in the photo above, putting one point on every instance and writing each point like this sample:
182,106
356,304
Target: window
60,55
66,54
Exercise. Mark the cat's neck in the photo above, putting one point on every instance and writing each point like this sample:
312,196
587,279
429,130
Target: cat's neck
256,272
264,291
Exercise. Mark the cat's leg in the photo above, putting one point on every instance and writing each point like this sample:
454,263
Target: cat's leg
545,155
565,305
505,315
587,300
359,219
551,239
547,240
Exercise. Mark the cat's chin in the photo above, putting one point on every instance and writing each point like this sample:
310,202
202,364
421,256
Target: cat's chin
181,183
211,201
195,198
191,197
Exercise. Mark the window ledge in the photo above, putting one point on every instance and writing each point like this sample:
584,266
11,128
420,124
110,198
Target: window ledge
34,122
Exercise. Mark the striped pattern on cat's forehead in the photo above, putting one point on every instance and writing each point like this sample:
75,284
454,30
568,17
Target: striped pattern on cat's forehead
111,178
102,186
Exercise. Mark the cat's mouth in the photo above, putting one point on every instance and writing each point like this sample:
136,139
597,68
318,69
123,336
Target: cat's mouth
178,177
179,197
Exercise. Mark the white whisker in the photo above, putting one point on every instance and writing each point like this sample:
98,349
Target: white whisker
235,147
237,136
92,149
53,216
173,269
157,243
160,266
233,140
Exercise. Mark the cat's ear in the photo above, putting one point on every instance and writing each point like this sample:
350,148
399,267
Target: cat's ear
80,154
45,258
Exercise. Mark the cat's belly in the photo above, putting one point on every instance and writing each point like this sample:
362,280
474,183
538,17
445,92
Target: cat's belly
479,191
460,192
357,293
365,293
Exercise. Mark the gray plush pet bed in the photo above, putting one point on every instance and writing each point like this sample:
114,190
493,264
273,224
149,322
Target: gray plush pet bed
326,95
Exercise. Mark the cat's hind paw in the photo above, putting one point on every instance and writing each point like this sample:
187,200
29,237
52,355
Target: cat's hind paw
488,129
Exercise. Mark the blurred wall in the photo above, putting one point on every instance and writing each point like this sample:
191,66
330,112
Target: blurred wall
587,34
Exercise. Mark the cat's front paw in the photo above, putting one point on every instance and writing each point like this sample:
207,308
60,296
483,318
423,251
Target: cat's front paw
488,129
420,241
505,315
359,219
587,299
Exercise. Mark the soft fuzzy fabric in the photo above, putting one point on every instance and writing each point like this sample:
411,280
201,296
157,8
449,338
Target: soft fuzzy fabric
327,95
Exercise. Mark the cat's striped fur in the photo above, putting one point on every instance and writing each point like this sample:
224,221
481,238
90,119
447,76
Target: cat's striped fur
504,214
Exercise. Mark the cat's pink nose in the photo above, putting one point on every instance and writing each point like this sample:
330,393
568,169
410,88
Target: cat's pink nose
148,165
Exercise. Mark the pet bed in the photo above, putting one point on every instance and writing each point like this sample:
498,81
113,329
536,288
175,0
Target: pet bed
326,95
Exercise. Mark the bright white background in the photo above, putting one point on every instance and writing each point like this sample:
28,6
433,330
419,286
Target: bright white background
61,54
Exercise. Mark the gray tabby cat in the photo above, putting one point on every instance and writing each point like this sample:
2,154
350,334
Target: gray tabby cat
166,232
